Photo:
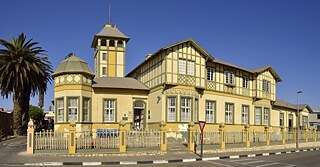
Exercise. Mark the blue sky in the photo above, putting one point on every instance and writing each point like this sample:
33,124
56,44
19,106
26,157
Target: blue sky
248,33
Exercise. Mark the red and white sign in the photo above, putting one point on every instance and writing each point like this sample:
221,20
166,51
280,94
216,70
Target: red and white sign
202,124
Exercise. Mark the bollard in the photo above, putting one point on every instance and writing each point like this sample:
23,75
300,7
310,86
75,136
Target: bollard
222,136
247,131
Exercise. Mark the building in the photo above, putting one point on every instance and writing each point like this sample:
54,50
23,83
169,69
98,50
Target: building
314,119
178,84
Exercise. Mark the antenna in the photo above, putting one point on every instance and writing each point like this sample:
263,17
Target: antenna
109,13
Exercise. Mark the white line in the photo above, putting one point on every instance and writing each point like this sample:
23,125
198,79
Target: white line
234,157
288,152
278,153
91,163
297,151
304,150
128,163
252,162
265,154
251,155
268,164
210,158
33,164
160,162
220,164
189,160
45,164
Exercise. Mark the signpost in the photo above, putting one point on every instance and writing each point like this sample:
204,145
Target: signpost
201,125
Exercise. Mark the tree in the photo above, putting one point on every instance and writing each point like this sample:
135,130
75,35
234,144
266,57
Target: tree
24,71
37,115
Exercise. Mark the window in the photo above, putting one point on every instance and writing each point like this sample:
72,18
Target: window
245,114
229,113
196,108
72,109
266,86
185,109
182,66
210,74
60,109
171,109
305,121
109,109
281,119
210,111
103,42
190,68
120,44
104,56
104,70
228,77
257,115
85,109
111,43
318,116
245,82
266,113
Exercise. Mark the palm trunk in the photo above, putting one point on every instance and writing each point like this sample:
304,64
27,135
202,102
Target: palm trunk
21,100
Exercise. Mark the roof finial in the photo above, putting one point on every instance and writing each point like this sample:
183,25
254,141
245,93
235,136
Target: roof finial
109,14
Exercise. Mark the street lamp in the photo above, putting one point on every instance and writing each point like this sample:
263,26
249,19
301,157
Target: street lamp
298,120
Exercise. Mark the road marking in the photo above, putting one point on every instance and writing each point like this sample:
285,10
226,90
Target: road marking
265,154
288,152
278,153
268,164
234,156
91,163
189,160
160,162
253,162
216,163
210,158
128,163
251,155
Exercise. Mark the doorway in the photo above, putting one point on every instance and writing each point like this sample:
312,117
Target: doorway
139,114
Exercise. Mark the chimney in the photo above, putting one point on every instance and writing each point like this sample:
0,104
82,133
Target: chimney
148,56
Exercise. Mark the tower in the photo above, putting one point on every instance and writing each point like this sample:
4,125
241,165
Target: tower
109,52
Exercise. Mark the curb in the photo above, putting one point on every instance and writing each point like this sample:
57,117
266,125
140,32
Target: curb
161,161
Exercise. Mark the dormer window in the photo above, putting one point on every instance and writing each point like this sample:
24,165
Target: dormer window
266,86
103,42
229,77
111,43
120,44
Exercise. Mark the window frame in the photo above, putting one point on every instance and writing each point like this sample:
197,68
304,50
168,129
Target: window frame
213,110
104,71
227,113
185,108
281,123
242,114
245,82
255,116
190,68
210,73
266,86
175,108
77,107
182,66
229,77
88,109
58,109
105,108
266,117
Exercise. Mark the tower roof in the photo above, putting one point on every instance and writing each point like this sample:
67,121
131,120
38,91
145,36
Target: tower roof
73,64
110,31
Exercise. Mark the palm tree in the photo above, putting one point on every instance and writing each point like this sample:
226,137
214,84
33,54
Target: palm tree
24,71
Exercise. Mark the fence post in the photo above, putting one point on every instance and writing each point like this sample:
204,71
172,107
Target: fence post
122,137
222,136
315,134
72,137
30,137
266,129
191,131
163,139
247,131
283,135
306,134
295,134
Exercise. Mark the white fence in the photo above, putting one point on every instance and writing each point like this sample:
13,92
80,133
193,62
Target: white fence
235,137
92,140
143,139
275,136
208,138
50,140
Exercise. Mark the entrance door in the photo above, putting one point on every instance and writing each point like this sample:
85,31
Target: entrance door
138,114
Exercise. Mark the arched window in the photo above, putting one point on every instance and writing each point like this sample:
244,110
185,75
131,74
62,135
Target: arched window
139,104
120,44
103,42
111,43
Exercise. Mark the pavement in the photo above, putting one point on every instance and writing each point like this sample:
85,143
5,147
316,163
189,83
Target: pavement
12,153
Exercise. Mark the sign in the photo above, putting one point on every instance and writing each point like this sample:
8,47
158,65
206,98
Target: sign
202,124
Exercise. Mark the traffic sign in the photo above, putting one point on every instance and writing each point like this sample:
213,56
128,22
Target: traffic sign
202,124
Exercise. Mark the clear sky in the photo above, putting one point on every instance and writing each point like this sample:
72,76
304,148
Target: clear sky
284,34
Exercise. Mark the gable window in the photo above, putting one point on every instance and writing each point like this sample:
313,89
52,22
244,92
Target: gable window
266,86
109,109
210,111
257,115
266,112
104,70
171,111
60,109
190,68
229,77
185,109
210,74
229,113
72,109
281,119
104,56
182,66
245,82
85,109
245,114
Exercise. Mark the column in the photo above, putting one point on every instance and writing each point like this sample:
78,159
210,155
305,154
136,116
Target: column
283,135
122,137
163,139
30,137
306,134
222,136
72,137
247,131
266,129
191,131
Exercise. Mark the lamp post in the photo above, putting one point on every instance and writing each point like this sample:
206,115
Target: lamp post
298,120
